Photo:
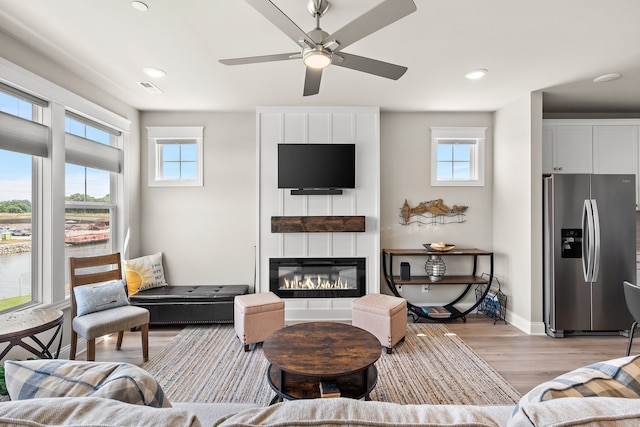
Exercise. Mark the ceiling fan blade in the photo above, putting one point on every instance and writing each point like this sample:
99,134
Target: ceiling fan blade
312,81
282,21
379,17
371,66
264,58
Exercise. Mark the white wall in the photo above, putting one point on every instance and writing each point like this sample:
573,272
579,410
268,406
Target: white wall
405,174
207,234
517,208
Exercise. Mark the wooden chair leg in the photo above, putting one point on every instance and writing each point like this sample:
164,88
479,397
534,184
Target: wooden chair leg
119,341
74,345
91,350
389,350
247,347
145,341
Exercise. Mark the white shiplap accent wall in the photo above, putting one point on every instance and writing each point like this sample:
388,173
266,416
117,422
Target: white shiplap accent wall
358,125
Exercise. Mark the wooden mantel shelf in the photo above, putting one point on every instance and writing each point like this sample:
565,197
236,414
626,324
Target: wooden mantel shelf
317,224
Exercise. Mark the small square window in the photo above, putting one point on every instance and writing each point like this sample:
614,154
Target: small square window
175,156
457,156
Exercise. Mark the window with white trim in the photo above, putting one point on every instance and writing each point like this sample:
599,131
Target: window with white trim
23,140
35,144
91,184
175,156
457,156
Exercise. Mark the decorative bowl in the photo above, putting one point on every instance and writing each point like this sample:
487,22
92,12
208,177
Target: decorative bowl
439,246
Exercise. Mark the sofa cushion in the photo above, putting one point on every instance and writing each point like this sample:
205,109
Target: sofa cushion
98,297
578,411
189,294
32,379
351,412
144,273
90,411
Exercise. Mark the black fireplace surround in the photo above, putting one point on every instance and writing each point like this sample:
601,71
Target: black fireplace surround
317,277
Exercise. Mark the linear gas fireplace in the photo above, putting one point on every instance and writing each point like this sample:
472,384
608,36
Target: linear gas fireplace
317,277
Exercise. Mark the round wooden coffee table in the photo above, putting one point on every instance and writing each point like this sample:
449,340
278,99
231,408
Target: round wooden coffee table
303,355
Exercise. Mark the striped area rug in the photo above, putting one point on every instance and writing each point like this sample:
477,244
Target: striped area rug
208,364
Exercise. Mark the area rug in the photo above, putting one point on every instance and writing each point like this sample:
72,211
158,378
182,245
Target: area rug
434,366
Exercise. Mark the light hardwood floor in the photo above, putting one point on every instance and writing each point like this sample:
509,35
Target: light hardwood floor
523,360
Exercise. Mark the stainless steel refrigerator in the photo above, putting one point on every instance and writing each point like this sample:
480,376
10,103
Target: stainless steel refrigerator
589,249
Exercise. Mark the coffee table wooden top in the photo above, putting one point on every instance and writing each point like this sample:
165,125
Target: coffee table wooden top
322,349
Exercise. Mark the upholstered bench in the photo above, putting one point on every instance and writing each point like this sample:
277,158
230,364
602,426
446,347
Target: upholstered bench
189,304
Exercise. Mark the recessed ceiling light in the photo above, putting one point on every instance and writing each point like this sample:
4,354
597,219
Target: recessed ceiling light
476,74
155,73
138,5
606,78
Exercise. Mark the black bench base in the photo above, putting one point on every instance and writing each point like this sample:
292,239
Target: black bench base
189,304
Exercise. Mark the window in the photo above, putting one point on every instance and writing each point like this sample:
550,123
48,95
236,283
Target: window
22,140
60,163
90,208
175,156
457,156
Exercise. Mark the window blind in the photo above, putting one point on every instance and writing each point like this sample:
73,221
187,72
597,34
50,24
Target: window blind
23,95
84,152
23,136
89,122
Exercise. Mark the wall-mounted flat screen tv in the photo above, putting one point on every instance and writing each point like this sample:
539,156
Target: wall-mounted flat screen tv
316,166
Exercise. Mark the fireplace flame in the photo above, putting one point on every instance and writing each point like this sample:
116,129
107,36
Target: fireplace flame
308,283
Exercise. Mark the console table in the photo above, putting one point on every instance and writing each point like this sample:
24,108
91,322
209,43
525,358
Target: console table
451,312
16,327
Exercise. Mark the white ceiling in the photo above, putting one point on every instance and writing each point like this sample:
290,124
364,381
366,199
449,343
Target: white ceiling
557,46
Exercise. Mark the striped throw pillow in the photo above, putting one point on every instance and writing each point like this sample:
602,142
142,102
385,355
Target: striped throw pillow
128,383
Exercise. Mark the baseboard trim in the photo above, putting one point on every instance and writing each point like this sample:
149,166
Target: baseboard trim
526,326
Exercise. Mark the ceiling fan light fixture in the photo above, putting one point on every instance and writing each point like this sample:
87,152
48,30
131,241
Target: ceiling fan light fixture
317,59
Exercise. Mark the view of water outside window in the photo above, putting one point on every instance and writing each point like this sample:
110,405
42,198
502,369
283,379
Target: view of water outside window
16,171
88,209
88,214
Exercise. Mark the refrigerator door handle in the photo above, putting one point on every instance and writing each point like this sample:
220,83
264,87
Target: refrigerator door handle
587,238
596,240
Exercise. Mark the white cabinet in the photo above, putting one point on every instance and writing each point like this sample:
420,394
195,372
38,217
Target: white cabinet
567,149
592,146
615,149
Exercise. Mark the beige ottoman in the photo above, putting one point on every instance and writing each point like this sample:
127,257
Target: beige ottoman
384,316
256,316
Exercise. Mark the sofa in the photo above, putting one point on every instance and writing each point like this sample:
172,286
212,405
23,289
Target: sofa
116,394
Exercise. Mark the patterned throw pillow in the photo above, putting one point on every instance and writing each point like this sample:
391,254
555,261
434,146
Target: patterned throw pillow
102,296
144,273
32,379
612,378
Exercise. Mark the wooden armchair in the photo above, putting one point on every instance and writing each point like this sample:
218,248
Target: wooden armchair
93,325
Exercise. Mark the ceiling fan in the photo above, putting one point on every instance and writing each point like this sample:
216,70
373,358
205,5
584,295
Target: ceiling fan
320,49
